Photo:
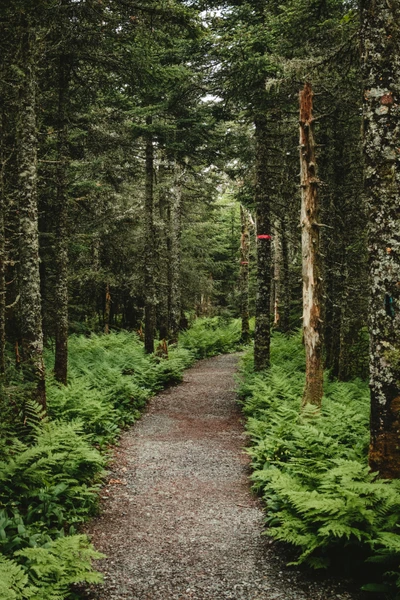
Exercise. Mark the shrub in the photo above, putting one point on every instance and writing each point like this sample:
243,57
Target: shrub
211,336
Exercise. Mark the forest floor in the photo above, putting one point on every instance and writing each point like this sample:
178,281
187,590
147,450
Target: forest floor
178,519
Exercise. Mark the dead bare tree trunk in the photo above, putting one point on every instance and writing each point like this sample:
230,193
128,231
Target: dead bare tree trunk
277,263
311,257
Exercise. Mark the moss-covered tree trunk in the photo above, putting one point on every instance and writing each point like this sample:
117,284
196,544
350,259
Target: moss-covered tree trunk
381,51
311,256
244,273
29,278
262,332
150,246
61,242
175,257
2,247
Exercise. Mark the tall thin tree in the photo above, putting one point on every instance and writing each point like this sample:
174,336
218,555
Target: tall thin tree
244,273
29,277
61,208
150,290
262,334
311,256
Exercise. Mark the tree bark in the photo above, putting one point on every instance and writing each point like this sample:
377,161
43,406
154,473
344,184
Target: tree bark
286,291
61,249
244,274
163,245
311,257
29,277
277,265
107,310
2,250
262,334
175,258
150,290
381,53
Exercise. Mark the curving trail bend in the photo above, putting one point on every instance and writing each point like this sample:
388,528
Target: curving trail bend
178,519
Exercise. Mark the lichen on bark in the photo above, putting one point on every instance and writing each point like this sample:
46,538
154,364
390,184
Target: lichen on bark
29,277
381,64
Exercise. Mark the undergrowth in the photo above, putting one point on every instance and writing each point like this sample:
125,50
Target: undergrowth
51,468
311,469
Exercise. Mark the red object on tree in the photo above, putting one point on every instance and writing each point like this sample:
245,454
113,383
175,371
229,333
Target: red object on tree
264,237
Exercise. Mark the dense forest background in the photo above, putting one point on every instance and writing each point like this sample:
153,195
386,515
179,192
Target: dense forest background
136,135
149,176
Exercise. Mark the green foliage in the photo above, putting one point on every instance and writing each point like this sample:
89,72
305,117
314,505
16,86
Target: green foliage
311,467
115,377
51,467
211,336
13,581
47,573
47,487
53,569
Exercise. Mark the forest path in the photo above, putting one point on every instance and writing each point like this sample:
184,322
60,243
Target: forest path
178,519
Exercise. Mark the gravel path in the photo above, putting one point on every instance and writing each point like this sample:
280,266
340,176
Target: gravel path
178,519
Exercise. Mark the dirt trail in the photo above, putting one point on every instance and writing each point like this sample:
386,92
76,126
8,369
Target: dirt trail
178,518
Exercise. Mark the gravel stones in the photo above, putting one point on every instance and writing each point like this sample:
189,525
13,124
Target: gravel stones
178,519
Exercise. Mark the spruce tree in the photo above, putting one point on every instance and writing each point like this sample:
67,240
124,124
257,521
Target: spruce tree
381,53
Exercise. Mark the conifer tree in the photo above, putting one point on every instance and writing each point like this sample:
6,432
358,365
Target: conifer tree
381,53
244,273
29,276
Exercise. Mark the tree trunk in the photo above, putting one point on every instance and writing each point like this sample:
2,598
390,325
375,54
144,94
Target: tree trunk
381,48
175,259
61,249
163,245
150,291
262,332
286,291
244,274
2,250
311,257
277,248
107,310
29,278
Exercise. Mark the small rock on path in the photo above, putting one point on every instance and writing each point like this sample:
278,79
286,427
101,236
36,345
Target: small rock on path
178,519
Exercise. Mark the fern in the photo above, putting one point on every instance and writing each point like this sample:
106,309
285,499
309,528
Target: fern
13,581
311,468
53,569
51,468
